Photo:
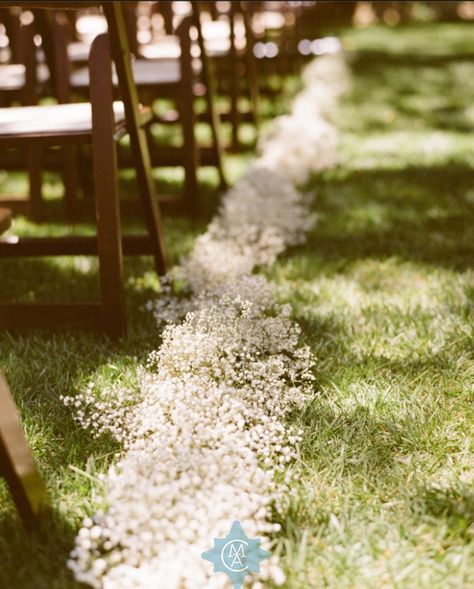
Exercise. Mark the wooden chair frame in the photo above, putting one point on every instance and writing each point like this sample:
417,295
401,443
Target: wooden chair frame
25,52
95,314
228,68
109,314
190,155
17,465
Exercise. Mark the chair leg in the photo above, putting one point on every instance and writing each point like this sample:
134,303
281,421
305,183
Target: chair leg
70,165
188,119
234,84
33,163
216,139
114,14
214,119
109,240
86,180
190,155
105,170
254,93
251,66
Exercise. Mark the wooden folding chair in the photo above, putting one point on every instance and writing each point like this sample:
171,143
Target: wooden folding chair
229,56
99,123
174,77
23,82
234,62
17,465
163,47
21,78
273,29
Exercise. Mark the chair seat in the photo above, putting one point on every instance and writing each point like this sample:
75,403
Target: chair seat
272,20
52,120
221,47
5,219
88,26
165,47
217,37
146,72
12,76
78,52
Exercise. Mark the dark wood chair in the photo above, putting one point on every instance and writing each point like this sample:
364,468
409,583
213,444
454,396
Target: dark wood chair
229,43
197,79
178,78
275,43
17,465
22,82
100,124
21,77
230,63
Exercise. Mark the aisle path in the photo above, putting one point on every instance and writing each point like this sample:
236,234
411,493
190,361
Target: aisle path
205,438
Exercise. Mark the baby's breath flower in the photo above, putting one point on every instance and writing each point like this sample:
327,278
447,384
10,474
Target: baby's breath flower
205,436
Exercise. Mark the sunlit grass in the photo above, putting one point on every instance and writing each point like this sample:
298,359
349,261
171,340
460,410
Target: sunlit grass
416,40
384,291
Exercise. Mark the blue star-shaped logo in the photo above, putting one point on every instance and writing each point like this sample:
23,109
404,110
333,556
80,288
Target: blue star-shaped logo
236,555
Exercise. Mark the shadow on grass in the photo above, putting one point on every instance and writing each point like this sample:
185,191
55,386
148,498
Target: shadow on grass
379,58
37,559
452,504
42,366
425,92
417,213
31,560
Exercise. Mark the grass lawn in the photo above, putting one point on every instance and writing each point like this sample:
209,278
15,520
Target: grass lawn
383,290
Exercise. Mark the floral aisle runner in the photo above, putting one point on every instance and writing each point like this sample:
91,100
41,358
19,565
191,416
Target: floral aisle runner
205,440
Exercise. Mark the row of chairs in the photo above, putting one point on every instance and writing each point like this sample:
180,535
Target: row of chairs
200,52
172,72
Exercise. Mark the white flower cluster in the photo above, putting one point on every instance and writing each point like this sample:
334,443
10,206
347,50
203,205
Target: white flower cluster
203,446
206,439
109,414
259,218
305,142
296,158
263,214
